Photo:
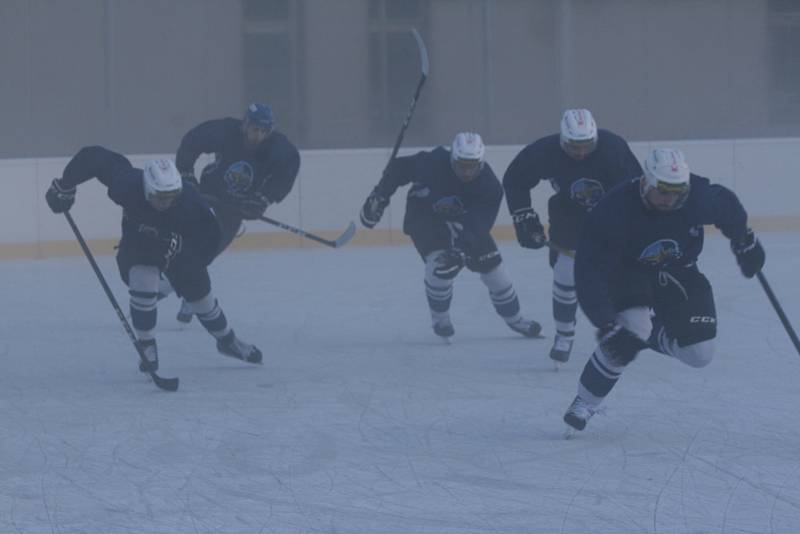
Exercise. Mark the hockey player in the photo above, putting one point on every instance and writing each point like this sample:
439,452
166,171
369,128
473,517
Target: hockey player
638,251
451,207
166,228
255,167
581,163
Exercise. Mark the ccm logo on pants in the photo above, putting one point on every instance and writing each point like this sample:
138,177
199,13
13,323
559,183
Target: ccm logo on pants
702,319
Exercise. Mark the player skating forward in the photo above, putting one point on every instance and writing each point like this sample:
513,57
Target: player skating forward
581,163
166,228
255,167
450,210
638,252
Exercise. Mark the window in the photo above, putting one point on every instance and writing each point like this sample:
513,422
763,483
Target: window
783,38
273,58
393,64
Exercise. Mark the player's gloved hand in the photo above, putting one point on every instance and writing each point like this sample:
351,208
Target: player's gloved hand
60,198
449,263
372,210
749,254
253,205
172,245
450,207
619,344
189,178
530,232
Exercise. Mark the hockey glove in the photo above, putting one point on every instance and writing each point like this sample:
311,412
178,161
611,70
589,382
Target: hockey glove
253,206
449,207
60,198
449,263
372,210
530,232
749,254
189,179
619,344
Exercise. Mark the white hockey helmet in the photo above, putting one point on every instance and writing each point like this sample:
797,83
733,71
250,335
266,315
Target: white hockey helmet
665,183
162,183
578,133
467,155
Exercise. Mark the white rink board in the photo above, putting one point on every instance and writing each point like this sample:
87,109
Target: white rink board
332,184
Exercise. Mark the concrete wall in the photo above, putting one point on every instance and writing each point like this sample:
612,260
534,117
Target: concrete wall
333,183
135,75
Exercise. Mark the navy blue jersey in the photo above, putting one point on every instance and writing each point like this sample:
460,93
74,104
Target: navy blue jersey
270,169
437,194
189,216
579,184
622,235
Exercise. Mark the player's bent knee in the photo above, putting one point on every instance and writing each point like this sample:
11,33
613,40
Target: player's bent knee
697,354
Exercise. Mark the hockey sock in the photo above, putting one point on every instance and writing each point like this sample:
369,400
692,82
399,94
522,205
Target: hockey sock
565,299
502,293
599,376
438,290
210,315
143,290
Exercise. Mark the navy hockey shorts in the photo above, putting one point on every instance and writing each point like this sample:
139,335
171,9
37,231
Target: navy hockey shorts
481,249
229,223
189,279
684,303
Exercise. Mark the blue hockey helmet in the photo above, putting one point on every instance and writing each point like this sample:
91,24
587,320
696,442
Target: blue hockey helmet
261,115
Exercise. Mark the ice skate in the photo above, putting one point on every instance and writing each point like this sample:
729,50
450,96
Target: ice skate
442,326
150,352
232,346
184,314
578,414
562,347
526,327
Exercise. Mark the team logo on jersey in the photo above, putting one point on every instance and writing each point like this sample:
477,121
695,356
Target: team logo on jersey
239,177
586,192
661,253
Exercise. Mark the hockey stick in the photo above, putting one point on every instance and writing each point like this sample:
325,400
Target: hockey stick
340,241
167,384
424,67
779,310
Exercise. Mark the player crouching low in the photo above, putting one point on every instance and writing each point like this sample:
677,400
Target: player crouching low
638,252
450,209
167,229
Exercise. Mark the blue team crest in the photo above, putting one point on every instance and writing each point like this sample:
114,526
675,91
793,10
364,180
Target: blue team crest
586,192
239,177
661,253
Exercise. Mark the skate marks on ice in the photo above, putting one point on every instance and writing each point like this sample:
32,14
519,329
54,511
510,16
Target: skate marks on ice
360,421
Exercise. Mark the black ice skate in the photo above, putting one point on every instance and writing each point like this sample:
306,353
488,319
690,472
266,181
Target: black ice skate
184,314
232,346
562,347
526,327
578,414
150,352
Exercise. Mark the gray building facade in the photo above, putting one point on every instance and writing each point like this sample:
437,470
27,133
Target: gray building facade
134,75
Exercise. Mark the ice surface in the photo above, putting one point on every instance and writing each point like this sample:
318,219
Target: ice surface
361,421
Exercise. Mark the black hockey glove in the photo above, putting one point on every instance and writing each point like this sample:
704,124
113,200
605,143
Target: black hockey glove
372,210
60,198
189,178
449,207
619,344
253,206
449,263
530,232
749,254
